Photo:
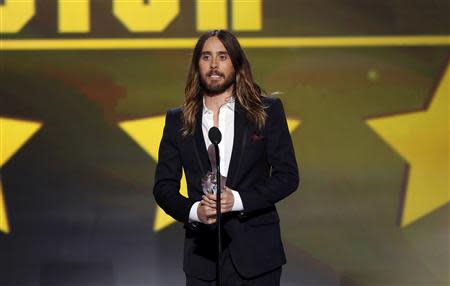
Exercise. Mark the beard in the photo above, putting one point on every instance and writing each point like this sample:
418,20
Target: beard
216,87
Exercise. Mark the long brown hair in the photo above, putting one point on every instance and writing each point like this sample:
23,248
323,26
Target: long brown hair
246,91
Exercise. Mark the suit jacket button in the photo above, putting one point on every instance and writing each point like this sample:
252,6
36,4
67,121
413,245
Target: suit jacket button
241,215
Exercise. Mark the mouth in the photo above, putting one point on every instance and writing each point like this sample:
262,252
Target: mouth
215,75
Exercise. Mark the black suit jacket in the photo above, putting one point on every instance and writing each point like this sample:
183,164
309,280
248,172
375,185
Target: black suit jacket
263,169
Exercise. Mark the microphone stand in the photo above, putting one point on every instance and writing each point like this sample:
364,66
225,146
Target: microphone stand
218,220
215,137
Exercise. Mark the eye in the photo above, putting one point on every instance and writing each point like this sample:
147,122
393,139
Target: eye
223,57
205,57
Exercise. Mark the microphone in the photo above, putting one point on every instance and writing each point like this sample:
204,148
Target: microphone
214,135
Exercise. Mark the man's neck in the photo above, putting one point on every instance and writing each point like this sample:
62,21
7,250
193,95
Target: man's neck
214,102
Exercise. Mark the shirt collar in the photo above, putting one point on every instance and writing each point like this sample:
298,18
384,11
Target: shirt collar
230,104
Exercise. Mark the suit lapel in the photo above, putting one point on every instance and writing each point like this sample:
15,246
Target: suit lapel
200,150
239,142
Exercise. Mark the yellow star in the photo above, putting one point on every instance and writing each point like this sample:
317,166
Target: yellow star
148,133
13,134
421,138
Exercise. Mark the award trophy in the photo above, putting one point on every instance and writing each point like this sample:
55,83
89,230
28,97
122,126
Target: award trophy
209,180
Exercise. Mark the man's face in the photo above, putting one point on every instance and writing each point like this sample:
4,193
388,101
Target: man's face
216,69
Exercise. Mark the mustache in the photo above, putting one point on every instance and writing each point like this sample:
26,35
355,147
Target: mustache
215,73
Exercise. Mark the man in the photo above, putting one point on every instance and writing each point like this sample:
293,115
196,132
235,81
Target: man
257,162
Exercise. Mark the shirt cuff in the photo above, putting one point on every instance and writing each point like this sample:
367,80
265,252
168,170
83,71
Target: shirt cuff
193,216
237,206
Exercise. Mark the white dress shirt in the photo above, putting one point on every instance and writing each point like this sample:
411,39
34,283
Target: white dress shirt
226,127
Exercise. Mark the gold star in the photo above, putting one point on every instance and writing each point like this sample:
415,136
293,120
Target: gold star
148,133
421,138
13,134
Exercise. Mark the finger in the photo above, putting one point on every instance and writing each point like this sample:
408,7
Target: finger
211,221
227,195
211,212
211,197
208,204
227,201
207,211
207,199
225,210
226,207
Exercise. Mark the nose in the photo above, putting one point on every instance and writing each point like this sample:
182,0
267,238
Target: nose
213,63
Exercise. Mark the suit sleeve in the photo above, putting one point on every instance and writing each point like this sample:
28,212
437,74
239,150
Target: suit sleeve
284,178
168,173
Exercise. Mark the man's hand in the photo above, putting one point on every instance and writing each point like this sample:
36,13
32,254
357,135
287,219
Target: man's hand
226,200
206,214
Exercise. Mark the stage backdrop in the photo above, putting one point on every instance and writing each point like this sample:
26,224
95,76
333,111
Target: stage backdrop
84,89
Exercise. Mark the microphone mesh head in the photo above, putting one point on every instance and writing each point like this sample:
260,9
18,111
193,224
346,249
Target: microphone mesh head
214,135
